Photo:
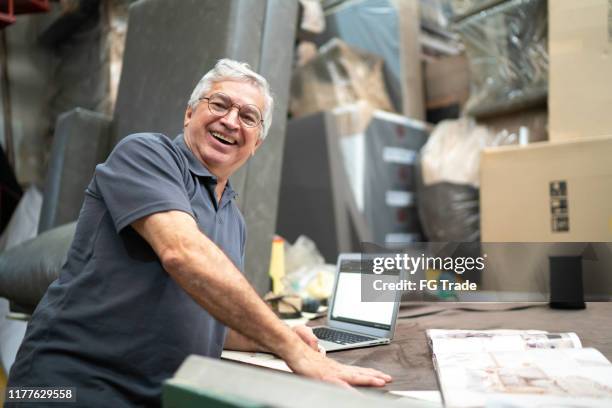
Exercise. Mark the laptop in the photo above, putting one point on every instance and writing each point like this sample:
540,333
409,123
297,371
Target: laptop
352,323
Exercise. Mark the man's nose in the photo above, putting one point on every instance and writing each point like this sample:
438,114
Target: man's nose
231,119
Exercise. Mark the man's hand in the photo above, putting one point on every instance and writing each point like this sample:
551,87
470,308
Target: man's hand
312,364
305,333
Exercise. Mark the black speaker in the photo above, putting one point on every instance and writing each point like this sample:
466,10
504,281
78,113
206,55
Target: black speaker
566,290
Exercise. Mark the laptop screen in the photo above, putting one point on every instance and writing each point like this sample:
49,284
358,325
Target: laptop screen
348,307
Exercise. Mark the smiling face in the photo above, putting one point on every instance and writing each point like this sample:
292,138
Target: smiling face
223,143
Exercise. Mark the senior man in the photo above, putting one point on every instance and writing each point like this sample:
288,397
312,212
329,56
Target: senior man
153,273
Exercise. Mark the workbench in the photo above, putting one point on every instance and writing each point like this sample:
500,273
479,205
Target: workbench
408,358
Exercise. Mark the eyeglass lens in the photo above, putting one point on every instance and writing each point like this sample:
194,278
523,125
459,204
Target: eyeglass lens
220,104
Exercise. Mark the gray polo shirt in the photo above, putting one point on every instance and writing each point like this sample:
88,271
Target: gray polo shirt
115,324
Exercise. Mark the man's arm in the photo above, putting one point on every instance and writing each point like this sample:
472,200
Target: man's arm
212,280
238,342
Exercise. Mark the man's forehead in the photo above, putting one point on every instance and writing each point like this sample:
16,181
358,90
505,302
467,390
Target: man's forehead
241,92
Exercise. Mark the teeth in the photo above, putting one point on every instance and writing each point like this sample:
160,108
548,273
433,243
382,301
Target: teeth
220,136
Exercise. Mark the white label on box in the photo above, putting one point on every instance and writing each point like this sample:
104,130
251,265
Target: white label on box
394,198
559,214
398,155
400,120
353,153
401,237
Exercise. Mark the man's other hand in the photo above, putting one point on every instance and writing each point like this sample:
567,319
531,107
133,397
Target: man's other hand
312,364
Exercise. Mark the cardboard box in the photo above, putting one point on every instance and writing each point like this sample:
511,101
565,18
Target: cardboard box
580,47
447,81
547,192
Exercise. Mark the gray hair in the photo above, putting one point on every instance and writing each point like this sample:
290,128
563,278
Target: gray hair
227,69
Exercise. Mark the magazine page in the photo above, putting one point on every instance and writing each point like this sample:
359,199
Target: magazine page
466,341
258,359
544,401
474,379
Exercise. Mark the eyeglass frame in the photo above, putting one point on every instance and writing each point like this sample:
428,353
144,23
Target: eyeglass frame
232,104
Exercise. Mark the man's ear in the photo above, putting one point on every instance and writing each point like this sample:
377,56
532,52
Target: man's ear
257,144
187,118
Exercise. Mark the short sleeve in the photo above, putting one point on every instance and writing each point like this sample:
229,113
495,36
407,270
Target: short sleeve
243,239
143,175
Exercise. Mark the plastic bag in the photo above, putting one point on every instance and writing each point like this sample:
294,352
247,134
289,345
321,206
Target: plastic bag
306,273
452,153
448,179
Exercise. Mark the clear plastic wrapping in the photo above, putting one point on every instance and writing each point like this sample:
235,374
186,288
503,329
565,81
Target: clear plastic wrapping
463,8
436,13
506,46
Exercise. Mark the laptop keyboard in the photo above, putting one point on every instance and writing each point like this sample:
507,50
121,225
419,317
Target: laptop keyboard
339,337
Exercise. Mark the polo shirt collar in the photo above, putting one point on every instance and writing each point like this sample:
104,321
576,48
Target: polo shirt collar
197,167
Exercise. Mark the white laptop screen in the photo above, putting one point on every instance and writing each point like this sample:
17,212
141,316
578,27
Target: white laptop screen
348,307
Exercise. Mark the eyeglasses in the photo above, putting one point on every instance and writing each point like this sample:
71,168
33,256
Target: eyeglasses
220,104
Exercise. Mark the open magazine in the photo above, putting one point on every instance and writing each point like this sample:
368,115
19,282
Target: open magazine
519,368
